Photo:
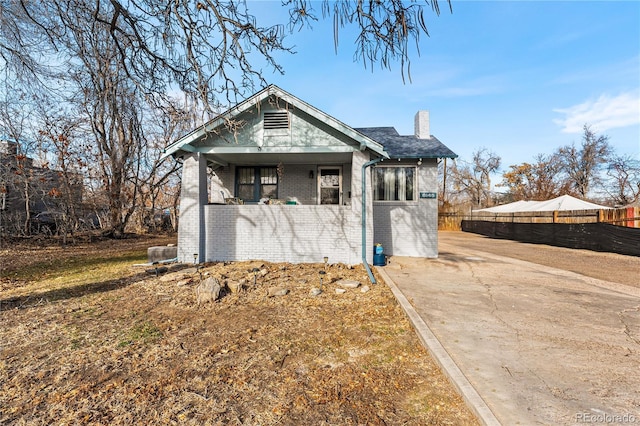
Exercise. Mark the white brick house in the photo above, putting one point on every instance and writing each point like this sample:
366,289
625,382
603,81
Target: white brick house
244,170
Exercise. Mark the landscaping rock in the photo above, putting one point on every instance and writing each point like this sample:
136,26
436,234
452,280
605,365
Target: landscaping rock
315,292
340,291
277,291
237,286
156,254
208,290
174,276
348,283
365,289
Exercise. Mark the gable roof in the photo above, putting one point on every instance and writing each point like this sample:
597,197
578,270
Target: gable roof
398,146
184,143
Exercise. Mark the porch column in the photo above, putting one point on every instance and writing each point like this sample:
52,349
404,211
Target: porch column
193,198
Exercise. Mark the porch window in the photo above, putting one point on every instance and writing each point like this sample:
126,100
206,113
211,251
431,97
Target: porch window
330,185
394,183
254,183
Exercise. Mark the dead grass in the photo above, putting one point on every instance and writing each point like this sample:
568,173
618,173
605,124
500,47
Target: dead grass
125,347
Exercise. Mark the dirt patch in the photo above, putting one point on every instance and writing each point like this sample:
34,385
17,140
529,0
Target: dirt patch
135,348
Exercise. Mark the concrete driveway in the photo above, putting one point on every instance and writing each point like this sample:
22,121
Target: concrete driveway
539,345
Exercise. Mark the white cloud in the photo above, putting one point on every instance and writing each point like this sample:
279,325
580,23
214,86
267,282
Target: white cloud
604,113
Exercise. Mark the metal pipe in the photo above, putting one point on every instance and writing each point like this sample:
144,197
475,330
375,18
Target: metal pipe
364,217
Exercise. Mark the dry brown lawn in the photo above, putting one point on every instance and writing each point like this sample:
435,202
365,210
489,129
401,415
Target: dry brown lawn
87,338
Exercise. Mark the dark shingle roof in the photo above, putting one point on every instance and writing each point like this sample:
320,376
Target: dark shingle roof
398,146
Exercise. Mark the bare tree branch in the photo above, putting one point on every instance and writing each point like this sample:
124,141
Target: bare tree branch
583,164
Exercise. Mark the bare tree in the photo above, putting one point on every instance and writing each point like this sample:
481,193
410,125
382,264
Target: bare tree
474,179
583,164
156,179
111,59
623,184
445,185
385,27
116,128
209,47
17,182
63,166
18,187
541,180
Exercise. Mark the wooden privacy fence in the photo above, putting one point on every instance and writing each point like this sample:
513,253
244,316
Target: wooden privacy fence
451,221
627,217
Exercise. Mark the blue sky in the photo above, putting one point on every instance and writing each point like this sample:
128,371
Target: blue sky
520,78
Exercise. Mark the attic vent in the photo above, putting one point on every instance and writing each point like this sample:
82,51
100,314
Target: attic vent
276,120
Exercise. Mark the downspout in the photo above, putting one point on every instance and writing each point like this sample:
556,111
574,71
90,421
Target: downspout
364,217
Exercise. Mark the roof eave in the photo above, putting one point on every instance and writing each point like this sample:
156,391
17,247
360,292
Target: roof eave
425,156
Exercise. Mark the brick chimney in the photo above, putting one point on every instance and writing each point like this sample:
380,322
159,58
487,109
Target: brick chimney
422,125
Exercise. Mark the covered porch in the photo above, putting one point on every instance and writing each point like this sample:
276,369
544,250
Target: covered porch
274,178
287,208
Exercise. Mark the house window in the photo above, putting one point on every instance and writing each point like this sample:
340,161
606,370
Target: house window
276,120
394,183
254,183
330,185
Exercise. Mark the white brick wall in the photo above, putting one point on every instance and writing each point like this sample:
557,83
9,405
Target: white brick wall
295,182
193,197
410,228
282,233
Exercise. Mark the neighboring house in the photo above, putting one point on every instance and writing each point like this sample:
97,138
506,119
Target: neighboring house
285,184
23,184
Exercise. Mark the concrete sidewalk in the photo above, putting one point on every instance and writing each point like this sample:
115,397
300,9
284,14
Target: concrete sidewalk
524,343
